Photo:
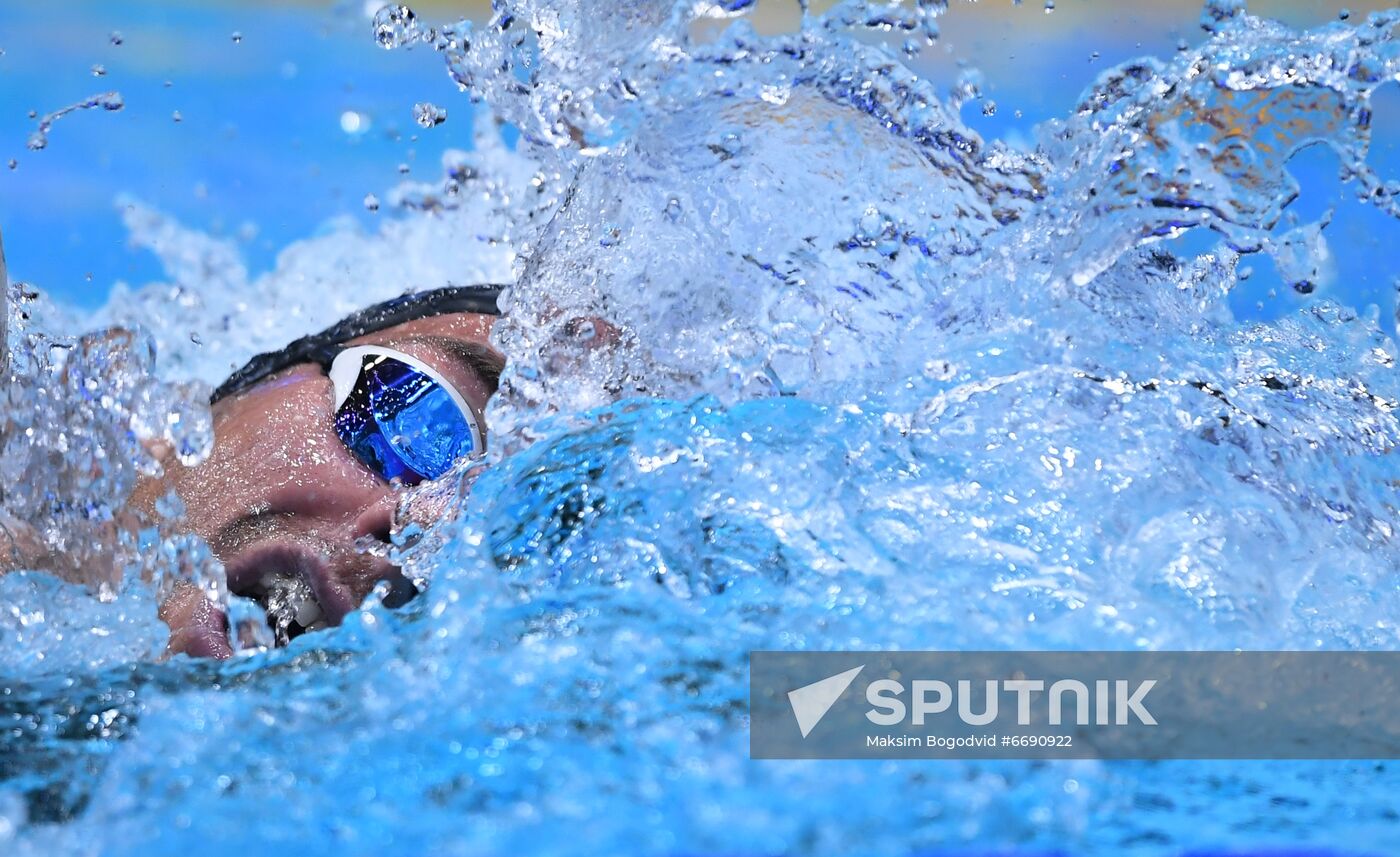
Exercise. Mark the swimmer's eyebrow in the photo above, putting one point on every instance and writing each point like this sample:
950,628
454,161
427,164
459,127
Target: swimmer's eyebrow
478,359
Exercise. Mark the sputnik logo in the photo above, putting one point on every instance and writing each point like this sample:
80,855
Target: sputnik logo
810,703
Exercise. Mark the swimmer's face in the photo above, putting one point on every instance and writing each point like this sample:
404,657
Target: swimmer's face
288,508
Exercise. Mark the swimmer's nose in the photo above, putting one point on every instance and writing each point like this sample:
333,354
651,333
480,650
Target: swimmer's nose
376,521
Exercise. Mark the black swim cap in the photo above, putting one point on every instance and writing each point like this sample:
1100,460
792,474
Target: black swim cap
321,347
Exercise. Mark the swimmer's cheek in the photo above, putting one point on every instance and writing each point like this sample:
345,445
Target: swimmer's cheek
20,546
197,627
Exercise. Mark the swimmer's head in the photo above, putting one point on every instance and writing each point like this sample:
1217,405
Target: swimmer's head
309,445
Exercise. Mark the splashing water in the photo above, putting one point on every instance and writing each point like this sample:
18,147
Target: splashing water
797,361
110,101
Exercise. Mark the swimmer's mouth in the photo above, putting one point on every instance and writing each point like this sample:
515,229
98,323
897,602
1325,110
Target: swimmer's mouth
291,606
291,584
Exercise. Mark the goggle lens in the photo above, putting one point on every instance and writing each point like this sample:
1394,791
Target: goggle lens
401,421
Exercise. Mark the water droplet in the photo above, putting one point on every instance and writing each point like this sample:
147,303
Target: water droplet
989,108
1303,257
371,202
1344,14
778,95
169,505
403,169
39,139
99,70
237,37
177,117
354,123
115,38
1049,6
13,163
428,114
1181,45
395,25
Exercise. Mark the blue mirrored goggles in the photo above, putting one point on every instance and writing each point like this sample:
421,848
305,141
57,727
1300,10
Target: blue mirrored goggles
399,416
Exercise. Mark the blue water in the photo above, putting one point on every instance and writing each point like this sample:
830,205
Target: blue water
259,153
803,355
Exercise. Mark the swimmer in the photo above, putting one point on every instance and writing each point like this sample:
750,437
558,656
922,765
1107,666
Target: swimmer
309,444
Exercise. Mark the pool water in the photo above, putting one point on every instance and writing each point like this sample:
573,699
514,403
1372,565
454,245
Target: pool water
852,375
